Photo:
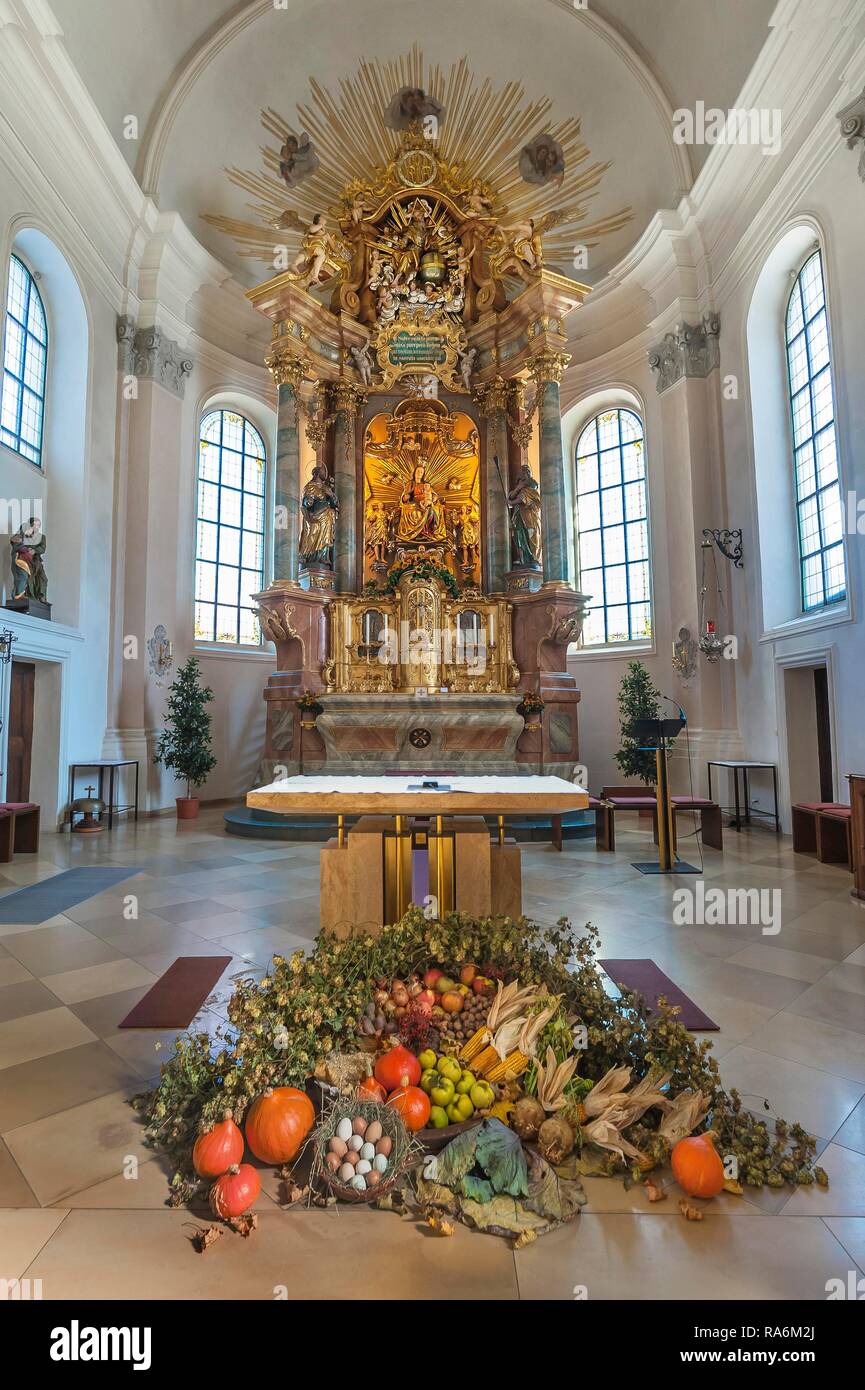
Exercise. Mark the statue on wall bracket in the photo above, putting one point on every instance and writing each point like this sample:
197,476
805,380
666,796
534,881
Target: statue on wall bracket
29,580
320,508
524,508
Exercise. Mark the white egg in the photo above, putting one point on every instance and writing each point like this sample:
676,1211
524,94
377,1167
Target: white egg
358,1182
368,1152
343,1129
379,1163
346,1172
363,1166
355,1143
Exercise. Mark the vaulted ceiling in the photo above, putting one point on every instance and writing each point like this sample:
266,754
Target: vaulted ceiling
197,73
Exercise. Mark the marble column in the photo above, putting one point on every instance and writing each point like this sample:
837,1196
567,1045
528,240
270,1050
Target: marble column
492,399
346,399
288,372
547,369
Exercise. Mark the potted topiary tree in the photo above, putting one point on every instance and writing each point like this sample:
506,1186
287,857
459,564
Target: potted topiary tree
184,744
638,699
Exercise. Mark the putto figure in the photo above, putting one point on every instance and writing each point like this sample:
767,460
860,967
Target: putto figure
409,105
297,159
542,160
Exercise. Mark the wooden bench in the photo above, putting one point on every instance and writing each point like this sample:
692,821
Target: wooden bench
834,836
804,817
710,817
604,830
19,829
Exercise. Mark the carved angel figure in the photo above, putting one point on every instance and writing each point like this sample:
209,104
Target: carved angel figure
467,366
363,362
320,251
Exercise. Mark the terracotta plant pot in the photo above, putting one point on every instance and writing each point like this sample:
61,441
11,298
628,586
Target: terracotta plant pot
187,807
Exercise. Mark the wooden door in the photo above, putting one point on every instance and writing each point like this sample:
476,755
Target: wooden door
20,741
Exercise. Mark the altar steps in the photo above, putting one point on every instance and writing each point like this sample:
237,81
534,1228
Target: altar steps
267,825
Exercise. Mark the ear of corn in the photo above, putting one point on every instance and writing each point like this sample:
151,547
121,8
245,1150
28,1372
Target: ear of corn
514,1065
485,1060
476,1044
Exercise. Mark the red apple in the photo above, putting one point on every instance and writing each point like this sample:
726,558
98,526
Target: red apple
426,996
481,985
467,974
430,977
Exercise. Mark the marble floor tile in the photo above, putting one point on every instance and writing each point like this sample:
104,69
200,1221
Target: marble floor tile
61,1080
818,1100
79,1147
72,986
60,948
777,960
15,1191
23,1235
27,997
39,1035
845,1195
813,1043
620,1256
851,1135
153,1258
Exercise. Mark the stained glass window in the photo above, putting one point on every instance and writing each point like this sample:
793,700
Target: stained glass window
613,529
229,553
815,447
25,358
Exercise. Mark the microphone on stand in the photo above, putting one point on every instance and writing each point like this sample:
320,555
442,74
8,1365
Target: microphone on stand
682,715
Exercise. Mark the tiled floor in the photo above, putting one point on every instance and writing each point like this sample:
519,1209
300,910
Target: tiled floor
82,1201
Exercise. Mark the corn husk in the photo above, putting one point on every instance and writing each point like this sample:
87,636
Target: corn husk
552,1080
610,1090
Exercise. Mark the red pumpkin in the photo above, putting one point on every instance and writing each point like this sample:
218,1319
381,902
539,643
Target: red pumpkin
697,1166
393,1066
277,1123
218,1148
235,1192
370,1089
412,1103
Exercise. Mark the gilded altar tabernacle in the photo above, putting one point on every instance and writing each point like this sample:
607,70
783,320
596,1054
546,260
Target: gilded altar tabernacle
422,245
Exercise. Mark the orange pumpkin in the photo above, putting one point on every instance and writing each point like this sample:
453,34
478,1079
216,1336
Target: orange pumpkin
697,1166
412,1103
392,1066
235,1192
370,1089
277,1123
217,1148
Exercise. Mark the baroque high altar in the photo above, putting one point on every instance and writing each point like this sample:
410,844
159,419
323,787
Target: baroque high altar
421,584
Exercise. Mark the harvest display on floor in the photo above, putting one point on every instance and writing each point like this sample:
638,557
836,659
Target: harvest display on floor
456,1068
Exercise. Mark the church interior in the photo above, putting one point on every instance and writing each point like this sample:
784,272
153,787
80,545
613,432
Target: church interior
430,779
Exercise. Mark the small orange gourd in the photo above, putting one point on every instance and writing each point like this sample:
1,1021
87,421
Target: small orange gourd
412,1103
697,1166
217,1148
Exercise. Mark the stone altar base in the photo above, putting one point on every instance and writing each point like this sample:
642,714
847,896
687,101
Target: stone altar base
404,733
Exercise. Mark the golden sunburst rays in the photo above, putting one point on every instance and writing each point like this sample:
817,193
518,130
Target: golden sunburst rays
480,137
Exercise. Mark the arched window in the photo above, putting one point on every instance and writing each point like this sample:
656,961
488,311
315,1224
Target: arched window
815,452
229,556
613,529
25,358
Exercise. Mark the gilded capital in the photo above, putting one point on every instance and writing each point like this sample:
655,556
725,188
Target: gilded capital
548,366
285,368
492,396
347,398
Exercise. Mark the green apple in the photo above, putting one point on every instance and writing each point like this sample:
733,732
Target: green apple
438,1117
449,1067
464,1106
454,1116
482,1095
465,1083
428,1080
442,1092
427,1059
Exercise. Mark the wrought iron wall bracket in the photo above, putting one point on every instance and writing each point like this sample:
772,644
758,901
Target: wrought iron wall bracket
728,542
